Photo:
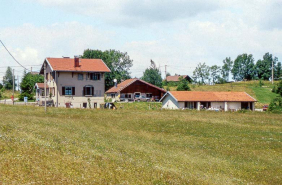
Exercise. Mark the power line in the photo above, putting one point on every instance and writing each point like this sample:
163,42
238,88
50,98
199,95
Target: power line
19,66
12,55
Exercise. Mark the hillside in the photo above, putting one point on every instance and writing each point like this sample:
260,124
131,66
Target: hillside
76,146
262,94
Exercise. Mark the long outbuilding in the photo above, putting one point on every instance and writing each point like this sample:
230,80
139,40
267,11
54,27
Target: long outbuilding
227,101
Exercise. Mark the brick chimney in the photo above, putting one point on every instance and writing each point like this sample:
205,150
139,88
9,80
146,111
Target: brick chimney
76,61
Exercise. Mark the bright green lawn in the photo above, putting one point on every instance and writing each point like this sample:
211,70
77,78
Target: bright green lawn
74,146
264,94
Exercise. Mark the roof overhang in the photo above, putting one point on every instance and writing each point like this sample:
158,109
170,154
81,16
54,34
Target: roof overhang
166,94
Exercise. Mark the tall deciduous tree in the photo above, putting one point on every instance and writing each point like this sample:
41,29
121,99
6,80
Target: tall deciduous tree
215,73
278,71
244,67
153,75
28,83
264,66
226,68
118,62
201,73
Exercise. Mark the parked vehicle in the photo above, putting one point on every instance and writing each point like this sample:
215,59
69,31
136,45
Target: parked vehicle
141,98
265,107
109,106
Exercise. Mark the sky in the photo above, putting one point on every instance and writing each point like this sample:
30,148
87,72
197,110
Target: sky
180,33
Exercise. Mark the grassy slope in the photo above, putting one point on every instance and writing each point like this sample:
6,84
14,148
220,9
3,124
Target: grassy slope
262,94
138,147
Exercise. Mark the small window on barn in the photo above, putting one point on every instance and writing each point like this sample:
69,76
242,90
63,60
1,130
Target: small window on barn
149,95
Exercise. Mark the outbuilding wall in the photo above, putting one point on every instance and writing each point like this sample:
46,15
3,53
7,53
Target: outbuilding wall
170,103
234,105
217,105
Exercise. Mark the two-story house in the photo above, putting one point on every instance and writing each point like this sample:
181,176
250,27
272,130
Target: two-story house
74,82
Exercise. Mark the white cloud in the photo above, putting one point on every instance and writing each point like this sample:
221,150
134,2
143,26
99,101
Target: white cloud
177,33
30,44
134,12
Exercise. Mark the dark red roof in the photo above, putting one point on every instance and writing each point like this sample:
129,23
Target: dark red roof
87,65
175,78
127,82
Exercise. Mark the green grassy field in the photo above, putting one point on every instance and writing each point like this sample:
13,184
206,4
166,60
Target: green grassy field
74,146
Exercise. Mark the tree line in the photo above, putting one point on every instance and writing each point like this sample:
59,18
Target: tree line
242,68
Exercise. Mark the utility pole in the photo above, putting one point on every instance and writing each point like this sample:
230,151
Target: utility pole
4,86
18,83
30,70
13,86
45,86
165,71
272,72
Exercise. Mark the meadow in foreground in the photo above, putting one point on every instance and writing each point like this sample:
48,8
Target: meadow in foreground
73,146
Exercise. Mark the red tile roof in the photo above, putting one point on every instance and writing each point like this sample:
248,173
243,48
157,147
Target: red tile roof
204,96
87,65
41,85
128,82
175,78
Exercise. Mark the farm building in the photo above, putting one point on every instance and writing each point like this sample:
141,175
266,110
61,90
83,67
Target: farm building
227,101
176,78
133,88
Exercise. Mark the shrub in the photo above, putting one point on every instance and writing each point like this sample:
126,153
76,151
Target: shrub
261,83
279,88
183,85
274,89
275,105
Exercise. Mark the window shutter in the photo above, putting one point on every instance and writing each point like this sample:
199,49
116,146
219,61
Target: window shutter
83,91
73,90
92,91
63,90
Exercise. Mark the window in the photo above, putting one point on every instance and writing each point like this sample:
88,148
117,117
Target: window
113,95
42,92
88,90
149,95
68,91
127,95
95,76
84,105
80,76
